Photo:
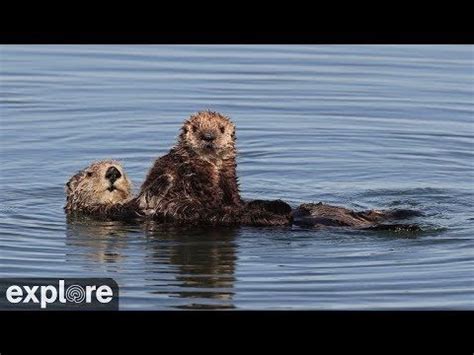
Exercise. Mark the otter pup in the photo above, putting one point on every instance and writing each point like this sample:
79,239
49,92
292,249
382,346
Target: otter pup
100,190
322,215
196,182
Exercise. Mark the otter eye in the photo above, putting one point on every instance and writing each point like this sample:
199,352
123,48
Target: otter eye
222,128
194,129
89,174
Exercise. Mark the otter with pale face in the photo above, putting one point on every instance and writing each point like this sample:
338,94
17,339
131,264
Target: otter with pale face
196,182
101,189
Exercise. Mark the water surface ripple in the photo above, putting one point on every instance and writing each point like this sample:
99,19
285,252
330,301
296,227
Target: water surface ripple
360,126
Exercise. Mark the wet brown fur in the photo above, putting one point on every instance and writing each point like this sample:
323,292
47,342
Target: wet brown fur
322,215
196,182
87,194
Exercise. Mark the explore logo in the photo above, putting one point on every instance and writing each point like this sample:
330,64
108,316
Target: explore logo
59,294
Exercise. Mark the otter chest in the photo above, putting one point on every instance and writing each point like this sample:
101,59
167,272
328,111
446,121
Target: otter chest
204,174
214,174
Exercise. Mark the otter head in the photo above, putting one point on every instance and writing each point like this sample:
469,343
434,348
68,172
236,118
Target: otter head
101,183
209,134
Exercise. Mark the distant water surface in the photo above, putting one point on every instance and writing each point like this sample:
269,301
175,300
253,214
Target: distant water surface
360,126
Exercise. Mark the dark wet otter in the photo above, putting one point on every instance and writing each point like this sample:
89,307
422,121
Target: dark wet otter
196,182
322,215
102,190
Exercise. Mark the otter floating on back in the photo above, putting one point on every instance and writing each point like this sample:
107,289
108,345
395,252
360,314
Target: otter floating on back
196,183
101,190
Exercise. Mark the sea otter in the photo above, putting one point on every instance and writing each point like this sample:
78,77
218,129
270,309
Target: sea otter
101,190
196,182
323,215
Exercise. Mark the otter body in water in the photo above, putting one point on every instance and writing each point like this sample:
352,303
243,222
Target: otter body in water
196,182
101,190
323,215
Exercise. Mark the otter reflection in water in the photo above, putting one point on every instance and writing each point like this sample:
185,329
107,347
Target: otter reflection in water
202,261
100,241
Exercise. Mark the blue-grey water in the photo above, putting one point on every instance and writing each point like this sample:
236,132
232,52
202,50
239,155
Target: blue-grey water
359,126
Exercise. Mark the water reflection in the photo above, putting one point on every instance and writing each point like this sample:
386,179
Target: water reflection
203,260
193,264
357,126
98,241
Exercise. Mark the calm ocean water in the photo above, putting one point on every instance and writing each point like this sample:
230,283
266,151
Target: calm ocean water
359,126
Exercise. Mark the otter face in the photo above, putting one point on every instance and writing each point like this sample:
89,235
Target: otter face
101,183
209,133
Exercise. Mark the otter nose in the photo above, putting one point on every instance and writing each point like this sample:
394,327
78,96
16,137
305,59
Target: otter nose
112,174
208,137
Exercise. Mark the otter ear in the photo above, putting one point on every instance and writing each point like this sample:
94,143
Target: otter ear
68,187
185,127
71,184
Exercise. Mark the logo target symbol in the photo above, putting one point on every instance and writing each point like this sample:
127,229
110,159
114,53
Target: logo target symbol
75,294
